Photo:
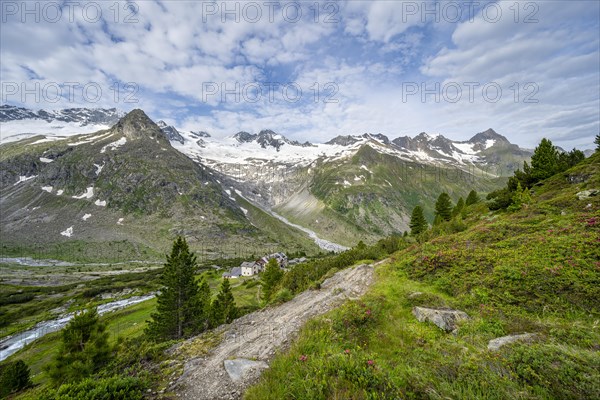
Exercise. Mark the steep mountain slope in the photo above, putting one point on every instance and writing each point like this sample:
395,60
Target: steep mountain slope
126,183
355,187
349,189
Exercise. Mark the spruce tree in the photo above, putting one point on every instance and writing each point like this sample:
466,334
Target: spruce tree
472,198
270,279
84,349
458,207
204,304
14,376
443,207
418,223
597,143
178,308
223,308
544,161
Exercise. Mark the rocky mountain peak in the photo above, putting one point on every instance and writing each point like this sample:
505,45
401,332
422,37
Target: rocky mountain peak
244,137
489,134
136,125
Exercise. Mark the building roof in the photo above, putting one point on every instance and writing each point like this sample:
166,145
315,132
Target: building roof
247,264
236,271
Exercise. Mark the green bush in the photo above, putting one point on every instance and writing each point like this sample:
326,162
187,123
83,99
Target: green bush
282,296
114,388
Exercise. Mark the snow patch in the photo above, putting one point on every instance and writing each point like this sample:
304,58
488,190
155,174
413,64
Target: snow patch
365,168
99,168
67,232
489,143
47,189
100,203
114,145
89,193
466,148
244,210
60,192
46,160
86,216
24,179
120,221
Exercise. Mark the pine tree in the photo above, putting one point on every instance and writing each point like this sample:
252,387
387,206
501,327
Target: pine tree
14,376
270,279
418,223
443,207
544,161
204,304
597,143
84,349
458,207
223,308
178,308
472,198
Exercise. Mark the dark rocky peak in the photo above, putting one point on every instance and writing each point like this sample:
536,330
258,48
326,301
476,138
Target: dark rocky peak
378,137
200,134
489,134
170,132
136,125
341,140
244,137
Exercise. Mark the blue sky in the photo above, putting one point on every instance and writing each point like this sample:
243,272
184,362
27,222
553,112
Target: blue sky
314,70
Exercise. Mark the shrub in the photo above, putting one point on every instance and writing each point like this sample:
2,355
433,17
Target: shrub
114,388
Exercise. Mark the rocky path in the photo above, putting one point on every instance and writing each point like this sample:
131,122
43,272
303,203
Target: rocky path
250,342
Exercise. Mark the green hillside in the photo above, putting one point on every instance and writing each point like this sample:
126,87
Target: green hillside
372,194
536,270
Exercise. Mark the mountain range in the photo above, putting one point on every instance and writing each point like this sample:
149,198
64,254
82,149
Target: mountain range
138,182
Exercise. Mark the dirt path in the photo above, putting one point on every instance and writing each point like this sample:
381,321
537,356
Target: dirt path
251,341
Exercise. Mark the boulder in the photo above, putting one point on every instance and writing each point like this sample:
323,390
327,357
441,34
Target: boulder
496,344
444,319
236,369
586,194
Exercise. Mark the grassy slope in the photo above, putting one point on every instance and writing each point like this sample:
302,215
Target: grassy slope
126,323
536,270
381,192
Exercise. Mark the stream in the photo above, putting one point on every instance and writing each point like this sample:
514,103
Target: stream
322,243
14,343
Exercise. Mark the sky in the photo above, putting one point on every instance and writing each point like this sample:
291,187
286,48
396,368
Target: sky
312,70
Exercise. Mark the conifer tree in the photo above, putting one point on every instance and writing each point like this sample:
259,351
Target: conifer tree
270,279
223,308
544,161
597,143
14,376
204,305
458,207
178,308
418,223
472,198
443,207
84,349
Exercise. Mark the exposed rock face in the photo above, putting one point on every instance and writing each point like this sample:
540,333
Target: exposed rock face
586,194
238,368
444,319
170,132
496,344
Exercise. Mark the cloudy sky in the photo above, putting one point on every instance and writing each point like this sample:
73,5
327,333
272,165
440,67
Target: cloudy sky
313,70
